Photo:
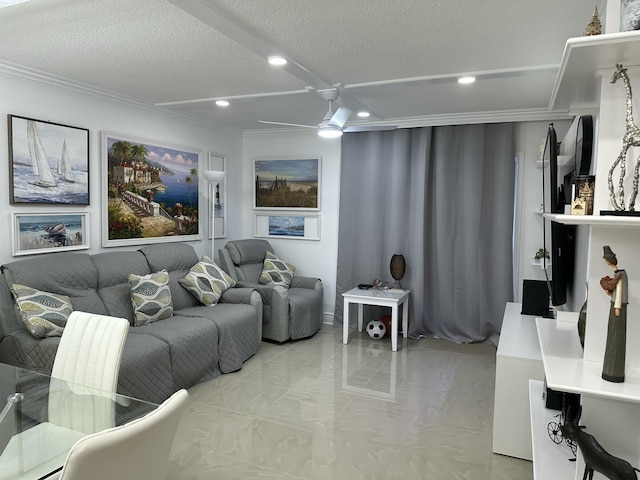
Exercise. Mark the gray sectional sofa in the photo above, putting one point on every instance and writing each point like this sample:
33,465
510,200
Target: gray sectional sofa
195,344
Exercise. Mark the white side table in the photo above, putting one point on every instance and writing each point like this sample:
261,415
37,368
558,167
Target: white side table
381,298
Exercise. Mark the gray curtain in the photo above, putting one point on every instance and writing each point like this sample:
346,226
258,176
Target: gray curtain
442,197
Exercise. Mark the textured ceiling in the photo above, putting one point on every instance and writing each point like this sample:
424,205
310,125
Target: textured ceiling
398,58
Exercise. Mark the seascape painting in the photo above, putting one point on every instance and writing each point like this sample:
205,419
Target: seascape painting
43,233
286,225
151,192
49,162
287,183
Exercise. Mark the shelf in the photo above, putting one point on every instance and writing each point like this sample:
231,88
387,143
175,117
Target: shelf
550,460
537,262
595,220
566,371
577,85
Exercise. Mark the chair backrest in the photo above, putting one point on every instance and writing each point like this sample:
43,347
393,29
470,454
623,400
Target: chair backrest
138,450
90,350
247,258
88,356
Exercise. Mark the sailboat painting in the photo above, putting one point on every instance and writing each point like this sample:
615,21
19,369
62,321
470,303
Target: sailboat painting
49,162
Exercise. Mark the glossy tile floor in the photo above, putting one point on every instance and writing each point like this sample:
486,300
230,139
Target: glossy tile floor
318,409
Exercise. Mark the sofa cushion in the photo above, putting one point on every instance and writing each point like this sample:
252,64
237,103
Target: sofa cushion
150,297
192,346
66,273
207,281
276,271
44,314
177,259
114,269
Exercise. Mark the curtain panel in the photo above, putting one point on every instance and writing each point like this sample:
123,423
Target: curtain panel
442,197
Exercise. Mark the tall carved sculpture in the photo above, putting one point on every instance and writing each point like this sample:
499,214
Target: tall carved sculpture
631,139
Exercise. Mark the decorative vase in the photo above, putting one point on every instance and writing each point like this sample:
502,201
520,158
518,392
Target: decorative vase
398,267
582,323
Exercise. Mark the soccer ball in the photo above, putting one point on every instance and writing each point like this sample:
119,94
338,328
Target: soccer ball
376,329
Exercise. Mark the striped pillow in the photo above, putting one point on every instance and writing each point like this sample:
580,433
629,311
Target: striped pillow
207,281
150,297
44,314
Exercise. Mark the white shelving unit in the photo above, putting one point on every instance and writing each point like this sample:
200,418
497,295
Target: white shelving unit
567,371
610,411
550,460
595,220
577,86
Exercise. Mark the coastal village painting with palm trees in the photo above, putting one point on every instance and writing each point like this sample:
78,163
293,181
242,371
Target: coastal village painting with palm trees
152,192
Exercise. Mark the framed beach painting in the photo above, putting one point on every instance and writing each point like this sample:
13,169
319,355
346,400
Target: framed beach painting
48,162
150,191
287,183
35,233
287,225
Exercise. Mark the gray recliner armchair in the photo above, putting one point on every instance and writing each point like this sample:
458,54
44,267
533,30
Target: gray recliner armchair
290,313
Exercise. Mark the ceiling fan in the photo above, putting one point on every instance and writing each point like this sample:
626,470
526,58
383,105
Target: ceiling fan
333,123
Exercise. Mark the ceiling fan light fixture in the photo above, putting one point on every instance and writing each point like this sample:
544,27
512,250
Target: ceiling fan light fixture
466,80
222,103
277,60
329,131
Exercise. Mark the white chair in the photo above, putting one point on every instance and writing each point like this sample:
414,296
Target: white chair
89,354
90,350
88,359
138,450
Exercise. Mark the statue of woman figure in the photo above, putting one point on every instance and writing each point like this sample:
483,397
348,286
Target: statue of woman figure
617,289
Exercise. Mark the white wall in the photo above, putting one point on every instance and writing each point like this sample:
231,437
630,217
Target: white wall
67,104
310,257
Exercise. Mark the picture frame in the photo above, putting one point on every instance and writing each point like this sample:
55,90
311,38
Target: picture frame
218,227
35,233
48,162
287,183
150,191
291,225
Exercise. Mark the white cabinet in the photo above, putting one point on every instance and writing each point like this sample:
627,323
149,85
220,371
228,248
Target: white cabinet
518,359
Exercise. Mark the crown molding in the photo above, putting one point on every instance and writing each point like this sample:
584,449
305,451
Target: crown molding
39,78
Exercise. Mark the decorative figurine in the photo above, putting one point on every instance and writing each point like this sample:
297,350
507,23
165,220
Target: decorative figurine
631,139
617,288
397,266
596,458
595,26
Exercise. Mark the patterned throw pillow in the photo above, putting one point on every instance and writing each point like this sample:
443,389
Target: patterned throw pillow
150,297
277,272
207,281
43,313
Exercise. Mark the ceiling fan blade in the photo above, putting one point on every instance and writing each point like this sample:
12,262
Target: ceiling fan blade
369,128
339,118
288,124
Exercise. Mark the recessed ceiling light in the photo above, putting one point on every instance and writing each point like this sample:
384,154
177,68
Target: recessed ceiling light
222,103
364,114
278,61
466,80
